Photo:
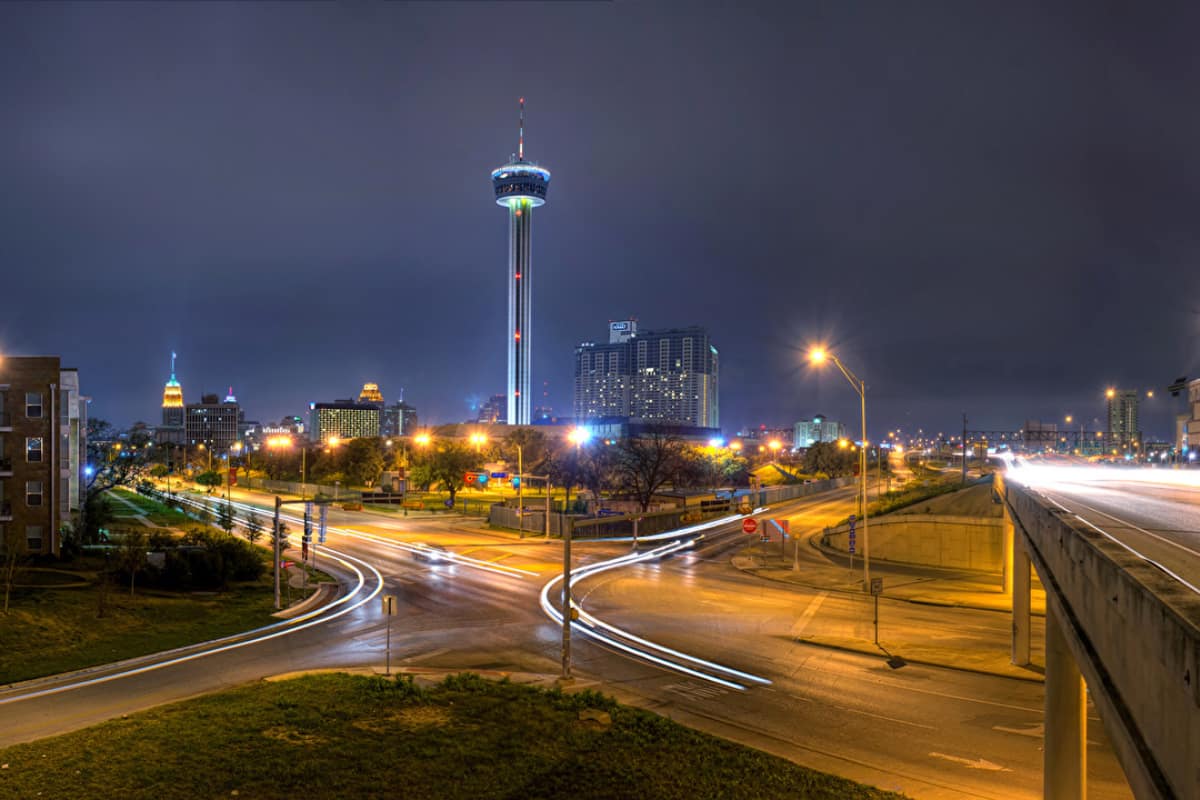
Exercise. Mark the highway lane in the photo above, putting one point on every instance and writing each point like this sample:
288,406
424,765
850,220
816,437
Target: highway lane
1154,512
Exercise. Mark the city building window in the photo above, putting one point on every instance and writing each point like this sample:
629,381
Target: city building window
33,537
33,493
33,405
33,449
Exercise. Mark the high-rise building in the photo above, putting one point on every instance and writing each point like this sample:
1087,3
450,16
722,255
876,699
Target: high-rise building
668,376
1123,417
43,452
212,423
493,410
520,186
806,433
172,430
343,421
1192,437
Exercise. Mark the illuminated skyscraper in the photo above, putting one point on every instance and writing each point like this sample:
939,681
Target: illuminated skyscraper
520,187
172,429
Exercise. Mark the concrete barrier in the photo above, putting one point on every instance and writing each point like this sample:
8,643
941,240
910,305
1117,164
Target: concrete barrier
930,540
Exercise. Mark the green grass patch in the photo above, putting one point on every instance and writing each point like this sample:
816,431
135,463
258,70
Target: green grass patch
156,512
51,630
337,736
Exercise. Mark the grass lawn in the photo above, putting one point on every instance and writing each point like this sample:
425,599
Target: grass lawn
50,630
339,736
156,512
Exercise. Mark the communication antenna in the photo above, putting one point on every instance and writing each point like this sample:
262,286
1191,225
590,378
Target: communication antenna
521,134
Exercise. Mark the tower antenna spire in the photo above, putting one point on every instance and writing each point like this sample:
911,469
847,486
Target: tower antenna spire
521,134
172,363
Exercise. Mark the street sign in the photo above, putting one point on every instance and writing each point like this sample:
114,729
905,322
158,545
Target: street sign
876,586
784,525
851,541
389,605
286,564
749,525
516,482
470,478
448,503
322,520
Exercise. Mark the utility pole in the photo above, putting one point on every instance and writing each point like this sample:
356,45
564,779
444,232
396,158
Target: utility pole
964,450
569,524
275,548
521,490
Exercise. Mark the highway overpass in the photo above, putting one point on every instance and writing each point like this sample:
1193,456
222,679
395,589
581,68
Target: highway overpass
1118,552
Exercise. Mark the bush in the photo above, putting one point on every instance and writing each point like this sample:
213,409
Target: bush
211,562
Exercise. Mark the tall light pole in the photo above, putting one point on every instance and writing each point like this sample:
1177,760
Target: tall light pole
818,356
577,437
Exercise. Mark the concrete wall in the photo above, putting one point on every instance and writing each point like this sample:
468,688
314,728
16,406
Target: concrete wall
930,540
1135,634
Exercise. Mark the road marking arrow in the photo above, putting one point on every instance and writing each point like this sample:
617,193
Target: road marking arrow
977,763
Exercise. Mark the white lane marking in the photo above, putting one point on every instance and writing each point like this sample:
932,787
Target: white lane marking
807,615
1036,732
977,763
1129,524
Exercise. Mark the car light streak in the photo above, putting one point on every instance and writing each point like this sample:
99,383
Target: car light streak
593,627
316,617
415,547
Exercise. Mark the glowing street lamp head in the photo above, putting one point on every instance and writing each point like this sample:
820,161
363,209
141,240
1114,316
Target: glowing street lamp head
333,441
843,444
478,438
716,443
735,446
774,444
817,355
422,439
578,436
1110,394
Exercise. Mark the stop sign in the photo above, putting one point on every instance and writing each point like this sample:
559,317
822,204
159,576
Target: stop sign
749,525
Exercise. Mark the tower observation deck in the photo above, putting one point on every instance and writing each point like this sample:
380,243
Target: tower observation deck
520,187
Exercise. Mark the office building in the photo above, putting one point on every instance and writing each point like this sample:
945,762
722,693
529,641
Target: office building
520,186
399,419
1192,438
1123,417
43,453
343,420
668,376
212,422
493,410
806,433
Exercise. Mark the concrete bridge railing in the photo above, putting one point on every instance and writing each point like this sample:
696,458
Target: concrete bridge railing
1133,633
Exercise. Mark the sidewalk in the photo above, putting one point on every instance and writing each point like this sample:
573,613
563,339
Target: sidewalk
820,568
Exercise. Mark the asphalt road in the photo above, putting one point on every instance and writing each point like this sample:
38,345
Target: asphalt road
930,732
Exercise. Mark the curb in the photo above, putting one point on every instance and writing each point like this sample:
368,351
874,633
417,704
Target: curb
866,651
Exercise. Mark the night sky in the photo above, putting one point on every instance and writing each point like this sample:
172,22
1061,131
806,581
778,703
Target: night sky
984,207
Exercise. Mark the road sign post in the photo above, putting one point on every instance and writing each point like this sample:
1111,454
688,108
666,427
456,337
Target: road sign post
389,611
749,525
850,543
876,590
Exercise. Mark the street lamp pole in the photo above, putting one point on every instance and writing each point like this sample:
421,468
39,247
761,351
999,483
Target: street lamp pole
817,356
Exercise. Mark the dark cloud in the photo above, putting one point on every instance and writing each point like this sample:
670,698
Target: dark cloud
988,208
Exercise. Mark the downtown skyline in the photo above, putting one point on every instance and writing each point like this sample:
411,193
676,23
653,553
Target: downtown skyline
888,199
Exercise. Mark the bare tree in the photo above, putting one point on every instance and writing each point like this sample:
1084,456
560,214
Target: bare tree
133,553
646,463
14,555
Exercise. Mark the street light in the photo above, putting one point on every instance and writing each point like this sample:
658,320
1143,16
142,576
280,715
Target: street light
478,439
818,356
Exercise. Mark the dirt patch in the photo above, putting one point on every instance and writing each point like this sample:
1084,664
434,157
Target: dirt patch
292,736
415,717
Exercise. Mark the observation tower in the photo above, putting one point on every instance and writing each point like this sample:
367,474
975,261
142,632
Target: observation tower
520,187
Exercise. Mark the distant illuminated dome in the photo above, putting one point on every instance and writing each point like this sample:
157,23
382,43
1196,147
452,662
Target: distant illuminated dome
370,394
229,398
